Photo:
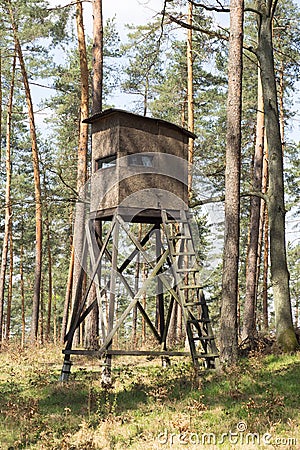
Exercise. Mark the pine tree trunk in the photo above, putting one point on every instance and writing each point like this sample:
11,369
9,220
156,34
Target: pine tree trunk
285,333
190,97
68,298
37,186
10,285
266,272
22,286
50,289
265,237
228,320
97,56
249,326
79,233
8,207
1,97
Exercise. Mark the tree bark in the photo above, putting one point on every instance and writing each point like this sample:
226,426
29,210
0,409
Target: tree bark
190,97
37,185
249,322
1,96
22,286
285,333
8,208
97,57
10,285
68,298
228,320
78,236
50,287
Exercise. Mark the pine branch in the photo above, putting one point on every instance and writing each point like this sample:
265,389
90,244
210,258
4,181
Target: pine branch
211,33
221,8
196,28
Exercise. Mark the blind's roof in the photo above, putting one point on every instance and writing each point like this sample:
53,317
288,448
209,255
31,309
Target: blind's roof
113,111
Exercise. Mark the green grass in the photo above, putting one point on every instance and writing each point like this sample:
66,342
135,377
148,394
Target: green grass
249,406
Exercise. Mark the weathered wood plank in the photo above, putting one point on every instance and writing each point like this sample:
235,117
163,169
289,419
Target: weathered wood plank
136,353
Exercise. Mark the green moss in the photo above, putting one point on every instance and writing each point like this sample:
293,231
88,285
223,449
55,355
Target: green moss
287,341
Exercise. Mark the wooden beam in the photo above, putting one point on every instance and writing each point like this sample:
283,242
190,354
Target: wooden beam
77,313
99,353
148,259
133,302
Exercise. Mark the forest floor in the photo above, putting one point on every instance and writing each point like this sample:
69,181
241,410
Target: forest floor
254,405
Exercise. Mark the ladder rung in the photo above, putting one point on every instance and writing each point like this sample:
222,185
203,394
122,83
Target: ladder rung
206,355
184,254
203,338
191,286
176,221
187,270
196,321
179,236
195,304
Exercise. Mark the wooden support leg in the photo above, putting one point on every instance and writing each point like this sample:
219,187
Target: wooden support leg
66,369
106,373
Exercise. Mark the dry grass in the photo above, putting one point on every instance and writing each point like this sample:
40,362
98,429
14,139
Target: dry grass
148,407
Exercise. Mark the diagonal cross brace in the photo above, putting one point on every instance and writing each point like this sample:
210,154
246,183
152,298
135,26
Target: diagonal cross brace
148,260
134,301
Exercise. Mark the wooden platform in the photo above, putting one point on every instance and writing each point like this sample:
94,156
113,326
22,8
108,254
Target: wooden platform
135,353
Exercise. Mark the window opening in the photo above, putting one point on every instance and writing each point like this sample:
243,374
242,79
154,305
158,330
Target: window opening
140,160
103,163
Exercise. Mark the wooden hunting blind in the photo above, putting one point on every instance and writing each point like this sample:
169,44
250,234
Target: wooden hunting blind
137,162
140,174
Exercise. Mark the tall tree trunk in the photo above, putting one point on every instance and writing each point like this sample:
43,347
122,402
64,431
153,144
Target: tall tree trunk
190,97
68,298
8,208
10,284
22,286
228,320
281,104
249,326
50,288
264,219
265,272
285,333
97,56
1,96
37,185
79,233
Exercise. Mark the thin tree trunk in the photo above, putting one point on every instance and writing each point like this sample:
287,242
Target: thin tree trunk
249,325
37,185
265,237
228,320
1,96
50,288
78,238
22,290
68,298
8,208
281,104
190,97
266,272
285,333
41,317
10,285
97,56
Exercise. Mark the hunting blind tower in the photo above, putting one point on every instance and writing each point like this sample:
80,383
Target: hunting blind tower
139,252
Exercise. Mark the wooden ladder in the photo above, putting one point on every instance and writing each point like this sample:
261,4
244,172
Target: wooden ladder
186,273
